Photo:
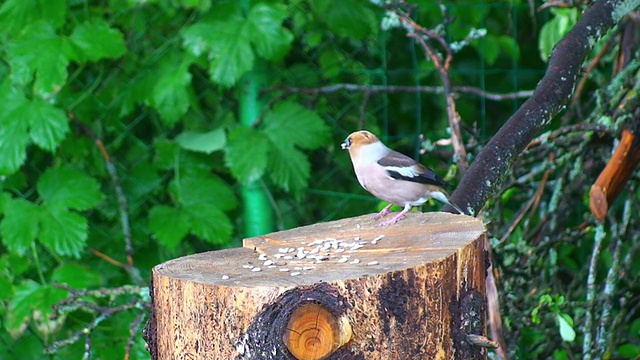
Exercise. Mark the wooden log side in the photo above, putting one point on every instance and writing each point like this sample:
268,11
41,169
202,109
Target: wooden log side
413,290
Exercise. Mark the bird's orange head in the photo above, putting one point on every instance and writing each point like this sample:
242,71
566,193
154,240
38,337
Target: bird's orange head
358,139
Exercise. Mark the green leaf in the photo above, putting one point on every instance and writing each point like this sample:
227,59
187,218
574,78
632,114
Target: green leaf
566,327
98,41
228,43
69,188
510,46
168,225
193,192
15,15
6,288
246,154
62,231
13,130
76,276
170,96
290,167
291,123
491,49
31,297
42,54
20,225
350,18
555,29
48,124
271,40
27,297
203,142
209,223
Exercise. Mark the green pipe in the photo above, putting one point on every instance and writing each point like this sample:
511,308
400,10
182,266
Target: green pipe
257,212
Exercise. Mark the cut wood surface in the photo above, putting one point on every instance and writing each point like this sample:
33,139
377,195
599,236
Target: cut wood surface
337,290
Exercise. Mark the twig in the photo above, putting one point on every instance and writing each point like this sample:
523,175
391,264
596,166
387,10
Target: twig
587,343
122,199
133,334
376,89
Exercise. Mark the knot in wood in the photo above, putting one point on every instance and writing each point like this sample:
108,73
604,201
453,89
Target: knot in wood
314,333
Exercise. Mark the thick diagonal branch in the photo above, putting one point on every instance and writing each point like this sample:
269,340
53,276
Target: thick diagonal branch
486,174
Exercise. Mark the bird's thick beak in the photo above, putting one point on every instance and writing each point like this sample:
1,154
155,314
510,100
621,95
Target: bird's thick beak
345,144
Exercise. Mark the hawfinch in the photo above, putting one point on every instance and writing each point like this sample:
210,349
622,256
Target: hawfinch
392,176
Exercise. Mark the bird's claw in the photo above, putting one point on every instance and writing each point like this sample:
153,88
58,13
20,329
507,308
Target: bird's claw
393,220
382,213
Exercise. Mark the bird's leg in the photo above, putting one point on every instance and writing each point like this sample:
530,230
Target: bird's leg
398,217
382,213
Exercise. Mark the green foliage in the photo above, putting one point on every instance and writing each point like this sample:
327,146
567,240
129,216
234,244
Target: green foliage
553,30
119,141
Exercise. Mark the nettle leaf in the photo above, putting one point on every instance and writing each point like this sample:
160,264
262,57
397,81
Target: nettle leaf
98,40
48,124
20,225
246,154
69,188
227,41
203,142
62,231
170,95
350,18
231,55
290,168
168,225
16,14
196,191
29,298
209,223
271,40
42,54
292,123
13,130
76,276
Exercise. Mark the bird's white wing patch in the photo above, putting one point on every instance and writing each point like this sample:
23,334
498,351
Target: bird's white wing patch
406,171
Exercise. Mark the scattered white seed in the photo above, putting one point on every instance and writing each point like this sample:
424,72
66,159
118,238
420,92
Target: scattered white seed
284,269
225,277
343,260
278,256
272,266
256,269
268,262
339,250
297,268
308,267
262,257
372,263
315,250
247,266
290,250
356,238
283,250
377,238
288,257
294,273
355,261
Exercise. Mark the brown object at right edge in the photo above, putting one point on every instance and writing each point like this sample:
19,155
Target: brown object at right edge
615,175
416,293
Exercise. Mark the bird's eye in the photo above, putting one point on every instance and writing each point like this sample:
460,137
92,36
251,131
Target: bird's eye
349,141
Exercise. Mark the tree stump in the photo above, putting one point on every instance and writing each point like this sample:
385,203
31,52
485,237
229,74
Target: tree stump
344,289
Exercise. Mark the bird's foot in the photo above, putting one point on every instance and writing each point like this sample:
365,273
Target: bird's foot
393,220
382,213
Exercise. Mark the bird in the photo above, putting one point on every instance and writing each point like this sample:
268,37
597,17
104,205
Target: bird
392,176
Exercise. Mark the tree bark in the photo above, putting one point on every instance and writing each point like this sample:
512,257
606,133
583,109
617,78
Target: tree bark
345,289
486,174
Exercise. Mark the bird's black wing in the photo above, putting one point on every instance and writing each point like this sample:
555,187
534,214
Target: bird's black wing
402,167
